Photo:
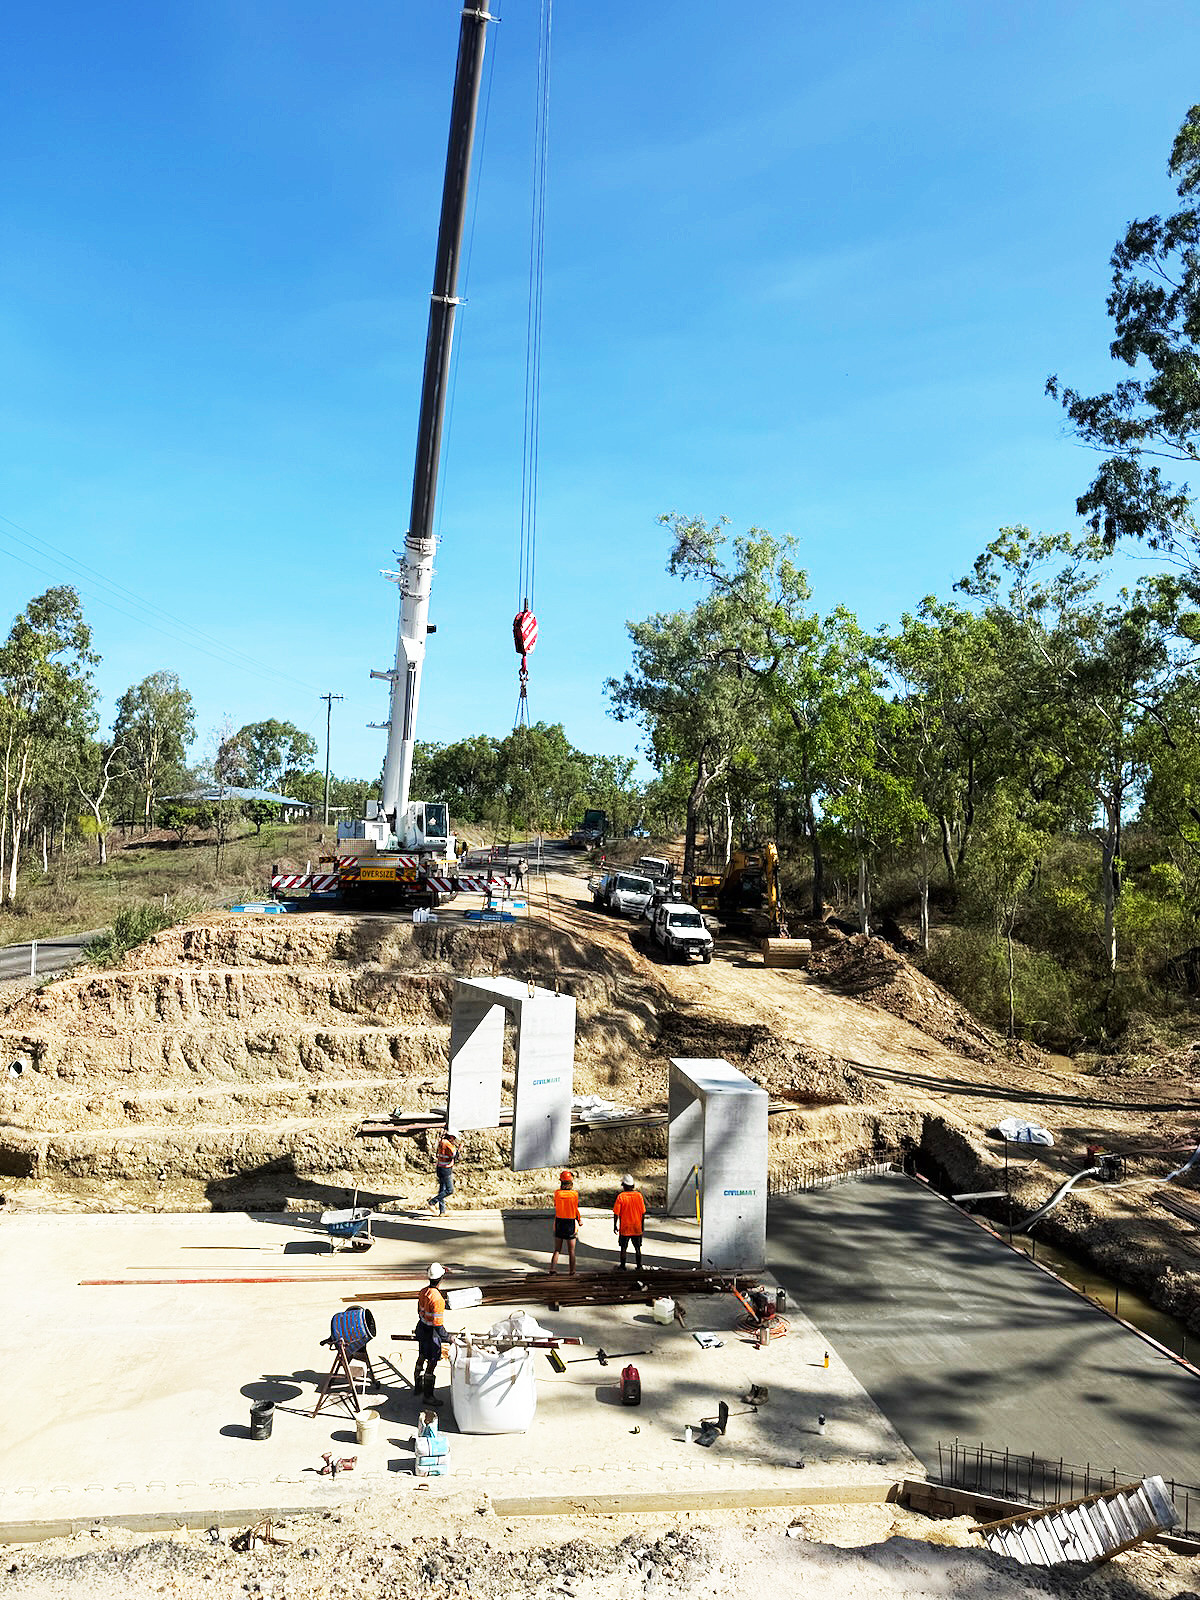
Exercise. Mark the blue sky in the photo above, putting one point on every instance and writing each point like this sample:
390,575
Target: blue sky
808,268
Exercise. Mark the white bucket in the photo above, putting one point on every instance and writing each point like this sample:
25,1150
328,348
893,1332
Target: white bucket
366,1426
663,1311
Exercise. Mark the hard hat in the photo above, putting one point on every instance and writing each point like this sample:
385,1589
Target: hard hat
436,1271
565,1176
452,1133
627,1181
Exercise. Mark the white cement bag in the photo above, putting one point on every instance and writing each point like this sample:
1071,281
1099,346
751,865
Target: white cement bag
492,1392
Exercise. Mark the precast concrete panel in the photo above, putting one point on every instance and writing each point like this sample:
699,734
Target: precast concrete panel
545,1065
476,1059
545,1081
717,1118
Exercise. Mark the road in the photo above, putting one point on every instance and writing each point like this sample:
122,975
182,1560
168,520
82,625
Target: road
954,1336
53,955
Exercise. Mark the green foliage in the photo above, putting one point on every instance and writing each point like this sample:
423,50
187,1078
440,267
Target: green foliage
1051,1005
271,755
1154,414
133,924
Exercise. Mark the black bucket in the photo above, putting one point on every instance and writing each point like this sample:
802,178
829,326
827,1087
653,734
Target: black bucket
262,1419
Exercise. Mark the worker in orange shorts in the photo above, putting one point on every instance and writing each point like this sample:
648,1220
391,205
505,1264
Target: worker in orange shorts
567,1221
629,1219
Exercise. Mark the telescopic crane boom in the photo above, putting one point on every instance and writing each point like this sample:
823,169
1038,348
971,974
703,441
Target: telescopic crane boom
416,574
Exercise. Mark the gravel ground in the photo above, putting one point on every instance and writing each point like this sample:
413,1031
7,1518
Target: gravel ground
859,1553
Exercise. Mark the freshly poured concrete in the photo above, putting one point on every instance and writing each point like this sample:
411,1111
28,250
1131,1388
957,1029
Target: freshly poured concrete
957,1336
134,1399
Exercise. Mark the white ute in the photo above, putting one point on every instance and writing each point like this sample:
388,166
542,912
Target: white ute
626,893
681,931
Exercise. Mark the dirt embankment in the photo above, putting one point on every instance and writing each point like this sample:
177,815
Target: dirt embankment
231,1061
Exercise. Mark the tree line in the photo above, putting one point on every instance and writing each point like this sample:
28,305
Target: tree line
62,779
1027,748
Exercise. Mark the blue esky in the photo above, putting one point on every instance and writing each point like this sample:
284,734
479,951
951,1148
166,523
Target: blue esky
806,267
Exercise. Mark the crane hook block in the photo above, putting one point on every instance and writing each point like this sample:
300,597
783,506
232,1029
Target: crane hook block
524,632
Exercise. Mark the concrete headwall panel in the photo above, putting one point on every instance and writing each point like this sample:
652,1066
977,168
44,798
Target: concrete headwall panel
476,1059
545,1081
718,1118
545,1065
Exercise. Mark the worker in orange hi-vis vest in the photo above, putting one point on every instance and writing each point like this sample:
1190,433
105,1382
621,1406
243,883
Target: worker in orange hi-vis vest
430,1331
567,1221
629,1220
447,1155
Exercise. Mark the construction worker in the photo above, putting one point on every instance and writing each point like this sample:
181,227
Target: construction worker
629,1220
447,1155
567,1221
430,1331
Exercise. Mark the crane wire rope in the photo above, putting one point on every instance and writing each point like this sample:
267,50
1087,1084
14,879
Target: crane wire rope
531,434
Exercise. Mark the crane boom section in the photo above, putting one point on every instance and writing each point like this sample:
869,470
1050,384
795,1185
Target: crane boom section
416,575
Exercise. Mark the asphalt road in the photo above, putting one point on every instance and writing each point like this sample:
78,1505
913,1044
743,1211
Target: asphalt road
954,1336
53,955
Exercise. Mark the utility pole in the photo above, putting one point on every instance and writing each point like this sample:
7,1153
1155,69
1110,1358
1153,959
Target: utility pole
328,699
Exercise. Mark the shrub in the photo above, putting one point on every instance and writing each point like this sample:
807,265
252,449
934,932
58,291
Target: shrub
972,964
135,923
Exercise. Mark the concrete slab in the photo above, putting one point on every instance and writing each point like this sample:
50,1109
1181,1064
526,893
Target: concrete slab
128,1400
956,1335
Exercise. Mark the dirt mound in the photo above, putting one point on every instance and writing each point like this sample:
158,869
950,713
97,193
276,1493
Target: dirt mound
868,969
786,1068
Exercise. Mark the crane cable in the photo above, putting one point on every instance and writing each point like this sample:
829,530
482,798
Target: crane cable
525,622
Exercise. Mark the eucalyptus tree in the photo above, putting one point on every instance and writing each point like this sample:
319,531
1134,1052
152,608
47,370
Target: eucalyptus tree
691,694
1089,682
1153,415
46,701
155,724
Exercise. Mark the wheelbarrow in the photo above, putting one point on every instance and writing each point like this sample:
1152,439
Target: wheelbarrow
352,1227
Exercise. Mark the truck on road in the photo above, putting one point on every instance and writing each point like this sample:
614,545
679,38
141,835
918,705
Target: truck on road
680,930
591,831
626,893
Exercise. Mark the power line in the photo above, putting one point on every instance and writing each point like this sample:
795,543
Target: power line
199,641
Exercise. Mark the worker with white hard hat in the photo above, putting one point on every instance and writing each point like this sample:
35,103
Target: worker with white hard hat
629,1220
430,1331
447,1155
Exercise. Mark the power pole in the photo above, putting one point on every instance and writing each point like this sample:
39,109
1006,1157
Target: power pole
328,699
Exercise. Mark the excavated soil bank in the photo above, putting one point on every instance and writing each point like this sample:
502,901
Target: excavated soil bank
229,1062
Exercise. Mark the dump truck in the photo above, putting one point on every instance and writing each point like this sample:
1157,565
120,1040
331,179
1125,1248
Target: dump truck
593,830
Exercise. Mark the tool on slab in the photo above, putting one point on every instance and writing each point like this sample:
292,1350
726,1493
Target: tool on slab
335,1464
602,1356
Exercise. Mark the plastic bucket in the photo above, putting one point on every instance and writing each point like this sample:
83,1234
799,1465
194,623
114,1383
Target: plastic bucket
262,1419
366,1426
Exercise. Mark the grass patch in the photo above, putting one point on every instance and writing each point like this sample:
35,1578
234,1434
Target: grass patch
134,924
78,896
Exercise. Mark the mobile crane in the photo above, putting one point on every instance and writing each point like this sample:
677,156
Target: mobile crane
402,851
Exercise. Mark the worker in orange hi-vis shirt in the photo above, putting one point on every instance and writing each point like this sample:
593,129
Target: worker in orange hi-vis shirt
629,1220
567,1221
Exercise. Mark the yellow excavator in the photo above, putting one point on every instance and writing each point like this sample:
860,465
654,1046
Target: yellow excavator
747,898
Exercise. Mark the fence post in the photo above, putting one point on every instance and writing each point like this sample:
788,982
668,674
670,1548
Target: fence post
33,958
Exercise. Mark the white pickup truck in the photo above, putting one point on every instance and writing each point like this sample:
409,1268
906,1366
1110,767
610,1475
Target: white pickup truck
681,931
626,893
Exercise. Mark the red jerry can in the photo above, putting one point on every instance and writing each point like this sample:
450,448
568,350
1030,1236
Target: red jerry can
631,1387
